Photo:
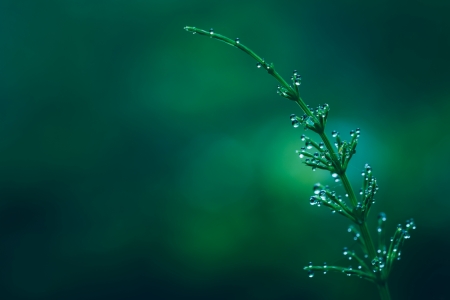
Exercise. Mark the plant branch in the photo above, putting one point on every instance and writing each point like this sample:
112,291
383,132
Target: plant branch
335,162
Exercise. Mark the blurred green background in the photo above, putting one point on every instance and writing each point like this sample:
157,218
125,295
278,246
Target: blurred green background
141,162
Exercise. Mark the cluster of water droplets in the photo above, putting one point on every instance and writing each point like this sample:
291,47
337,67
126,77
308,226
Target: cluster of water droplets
326,197
345,150
296,78
365,267
267,66
368,190
356,234
382,250
304,120
315,154
387,254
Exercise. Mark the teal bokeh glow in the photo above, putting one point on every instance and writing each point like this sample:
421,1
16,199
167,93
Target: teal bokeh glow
141,162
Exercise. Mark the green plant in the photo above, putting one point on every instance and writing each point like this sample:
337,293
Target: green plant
375,264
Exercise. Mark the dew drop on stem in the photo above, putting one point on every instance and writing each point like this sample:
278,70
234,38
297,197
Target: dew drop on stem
345,251
293,117
316,188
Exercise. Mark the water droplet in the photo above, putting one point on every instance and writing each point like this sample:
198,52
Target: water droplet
321,145
297,82
379,229
316,188
293,117
374,261
352,132
345,251
237,40
308,145
303,137
360,267
258,65
334,175
334,133
309,121
312,200
314,168
410,223
310,273
310,264
295,123
211,31
406,234
382,216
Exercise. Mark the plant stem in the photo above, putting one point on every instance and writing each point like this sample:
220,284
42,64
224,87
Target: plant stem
338,166
384,291
368,242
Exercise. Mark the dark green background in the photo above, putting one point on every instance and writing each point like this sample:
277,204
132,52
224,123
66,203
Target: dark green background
141,162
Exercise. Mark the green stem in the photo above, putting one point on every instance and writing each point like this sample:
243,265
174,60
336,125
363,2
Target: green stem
384,291
339,169
349,190
368,242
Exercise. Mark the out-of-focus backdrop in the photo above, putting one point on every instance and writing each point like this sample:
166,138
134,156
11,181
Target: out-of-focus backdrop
139,161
